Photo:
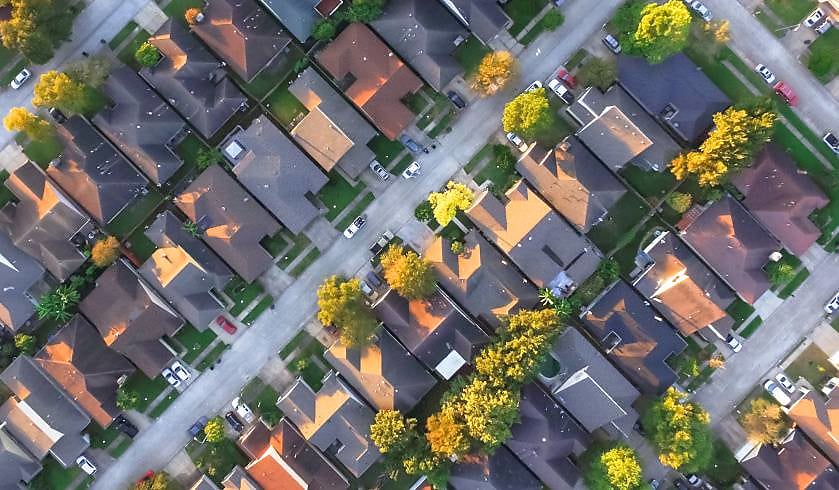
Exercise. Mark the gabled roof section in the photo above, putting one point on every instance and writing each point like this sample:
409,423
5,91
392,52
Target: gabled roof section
16,464
276,172
298,16
79,361
141,125
485,18
547,249
425,35
675,91
573,181
635,338
333,418
92,172
230,220
192,80
794,465
20,273
242,34
132,318
501,471
781,198
734,244
480,279
44,221
238,479
333,133
372,77
820,421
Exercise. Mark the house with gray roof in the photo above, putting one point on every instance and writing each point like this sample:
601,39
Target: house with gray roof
276,172
333,420
500,471
300,16
141,125
434,329
332,132
425,35
550,252
618,131
384,373
132,318
40,416
485,18
185,271
45,223
93,172
242,34
230,221
675,92
590,387
23,285
573,181
192,80
17,466
793,464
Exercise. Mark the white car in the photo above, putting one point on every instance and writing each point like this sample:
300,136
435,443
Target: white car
243,411
533,86
702,10
832,305
380,171
777,393
765,73
517,142
561,91
831,141
782,380
732,342
823,27
170,377
86,465
831,385
814,18
181,372
412,171
356,225
20,78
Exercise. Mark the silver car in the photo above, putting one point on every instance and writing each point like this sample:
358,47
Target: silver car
356,225
702,10
765,73
380,171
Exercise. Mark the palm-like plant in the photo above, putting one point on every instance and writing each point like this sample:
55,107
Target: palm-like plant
58,303
547,298
192,229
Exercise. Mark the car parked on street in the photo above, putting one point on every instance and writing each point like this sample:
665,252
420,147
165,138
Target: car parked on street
411,171
517,142
20,79
180,371
243,411
170,377
86,465
831,141
234,421
702,10
765,73
412,145
561,91
456,99
732,342
356,225
782,380
612,43
814,18
226,324
786,92
777,393
380,171
832,305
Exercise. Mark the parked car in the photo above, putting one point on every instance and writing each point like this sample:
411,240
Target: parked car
823,27
367,290
782,380
20,79
832,305
814,18
786,92
732,342
533,86
226,324
180,371
655,484
410,144
831,385
777,393
517,142
356,225
765,73
702,10
380,171
411,171
831,141
612,43
381,242
561,91
57,115
197,429
125,426
373,279
456,99
170,377
234,421
562,74
243,411
86,465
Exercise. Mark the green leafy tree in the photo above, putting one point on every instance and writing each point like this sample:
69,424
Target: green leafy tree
495,72
458,247
626,21
127,399
780,272
59,303
662,30
37,27
680,432
147,54
424,212
57,89
598,72
765,422
552,20
214,430
392,432
25,343
207,157
446,204
324,29
608,270
20,119
528,113
679,201
91,71
613,469
409,274
341,303
364,10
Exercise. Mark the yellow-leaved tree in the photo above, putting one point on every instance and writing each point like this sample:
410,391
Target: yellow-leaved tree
55,88
20,119
446,204
105,251
496,70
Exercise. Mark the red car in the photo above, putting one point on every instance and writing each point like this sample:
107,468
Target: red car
786,92
566,77
226,324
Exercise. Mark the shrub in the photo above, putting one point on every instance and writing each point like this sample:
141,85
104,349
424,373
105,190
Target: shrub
147,54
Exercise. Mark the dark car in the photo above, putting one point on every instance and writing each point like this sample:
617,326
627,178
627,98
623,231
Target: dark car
57,115
373,279
612,43
125,426
197,429
456,99
234,421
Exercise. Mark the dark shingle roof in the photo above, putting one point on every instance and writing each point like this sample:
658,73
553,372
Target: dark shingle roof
20,274
501,471
17,466
485,18
794,465
298,16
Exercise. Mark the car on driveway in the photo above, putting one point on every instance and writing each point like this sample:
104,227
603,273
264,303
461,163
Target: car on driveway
197,429
823,27
20,79
702,10
533,86
86,465
411,171
243,411
732,342
814,18
765,73
832,305
381,242
777,393
562,74
612,43
561,91
380,171
234,421
412,145
226,324
125,426
831,141
180,371
517,142
170,377
356,225
782,380
456,99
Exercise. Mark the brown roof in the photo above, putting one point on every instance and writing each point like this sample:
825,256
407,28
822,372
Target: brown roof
782,199
793,465
820,421
373,77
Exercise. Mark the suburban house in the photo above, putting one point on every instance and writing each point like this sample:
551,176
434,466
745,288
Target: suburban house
276,172
635,338
242,34
239,479
794,464
550,252
683,288
39,416
23,285
87,369
726,226
229,221
372,77
830,9
573,181
204,483
384,373
781,198
281,459
485,18
436,331
676,92
192,80
425,35
45,223
619,132
480,279
300,16
547,439
333,420
132,318
590,387
819,420
141,125
332,132
501,471
185,272
17,466
93,172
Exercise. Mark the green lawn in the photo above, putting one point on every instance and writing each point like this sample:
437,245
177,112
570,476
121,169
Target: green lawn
265,405
522,11
285,106
791,11
794,284
99,437
725,471
148,389
749,329
53,476
385,149
122,35
812,365
218,459
126,55
140,245
556,132
624,215
177,8
302,338
161,407
6,56
337,194
482,154
41,151
401,165
188,150
576,59
6,195
311,373
740,310
305,262
257,310
242,294
469,54
442,124
118,449
301,241
825,49
193,341
212,356
500,170
135,214
416,102
12,72
441,104
652,185
275,244
543,25
355,211
632,242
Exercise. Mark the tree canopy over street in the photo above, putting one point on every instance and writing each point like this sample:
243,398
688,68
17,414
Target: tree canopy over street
528,113
37,27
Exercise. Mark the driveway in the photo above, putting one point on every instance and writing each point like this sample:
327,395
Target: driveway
156,445
816,106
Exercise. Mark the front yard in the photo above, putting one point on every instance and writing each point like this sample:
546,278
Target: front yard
813,365
522,11
469,55
216,459
824,56
337,194
193,341
147,389
791,11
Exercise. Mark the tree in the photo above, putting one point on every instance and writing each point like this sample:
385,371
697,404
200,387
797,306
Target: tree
446,204
192,228
392,432
105,251
608,270
780,272
552,20
160,481
679,201
626,21
662,30
720,29
127,399
92,71
57,89
528,113
495,71
458,247
341,303
680,432
37,27
58,303
765,422
147,54
324,30
364,10
598,72
191,15
214,430
489,412
25,343
409,274
613,469
424,212
207,157
445,434
716,362
20,119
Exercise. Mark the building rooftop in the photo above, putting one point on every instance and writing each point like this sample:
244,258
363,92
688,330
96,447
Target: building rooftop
819,420
21,276
793,465
501,471
298,16
17,466
485,18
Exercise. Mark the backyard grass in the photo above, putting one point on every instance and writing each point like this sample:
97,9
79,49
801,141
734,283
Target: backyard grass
242,294
6,195
355,211
794,284
188,150
122,35
791,11
482,154
652,185
284,106
140,245
271,76
469,54
825,48
216,460
41,151
753,325
522,11
813,365
305,262
135,214
726,470
126,55
625,214
385,149
257,310
161,407
632,242
147,389
301,339
193,341
301,241
53,476
337,194
739,310
274,244
212,356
